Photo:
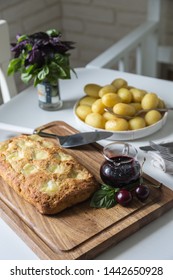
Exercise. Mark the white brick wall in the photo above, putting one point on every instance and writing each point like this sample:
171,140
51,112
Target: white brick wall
93,24
89,13
102,22
30,16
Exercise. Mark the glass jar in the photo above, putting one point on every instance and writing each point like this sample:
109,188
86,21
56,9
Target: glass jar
49,96
121,166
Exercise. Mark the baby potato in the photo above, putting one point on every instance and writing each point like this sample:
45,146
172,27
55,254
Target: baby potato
95,120
137,94
129,87
137,106
106,89
110,99
87,100
137,123
124,109
152,117
108,116
125,95
118,124
161,104
92,90
119,83
150,101
82,111
98,106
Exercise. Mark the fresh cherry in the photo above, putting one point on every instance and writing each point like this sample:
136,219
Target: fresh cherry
142,192
123,197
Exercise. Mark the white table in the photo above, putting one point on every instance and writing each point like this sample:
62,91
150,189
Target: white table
154,241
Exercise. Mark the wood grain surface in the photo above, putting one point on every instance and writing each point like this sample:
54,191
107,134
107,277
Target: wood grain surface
80,232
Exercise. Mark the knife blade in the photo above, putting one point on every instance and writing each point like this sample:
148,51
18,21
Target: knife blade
149,148
67,141
77,139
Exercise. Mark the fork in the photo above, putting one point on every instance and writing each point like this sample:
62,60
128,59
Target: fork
165,152
137,113
160,148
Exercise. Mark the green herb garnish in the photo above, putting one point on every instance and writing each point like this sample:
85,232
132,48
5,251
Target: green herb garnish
104,197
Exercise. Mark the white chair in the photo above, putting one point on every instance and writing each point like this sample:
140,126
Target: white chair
7,83
140,45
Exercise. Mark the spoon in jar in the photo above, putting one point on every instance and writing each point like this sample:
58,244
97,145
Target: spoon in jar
137,113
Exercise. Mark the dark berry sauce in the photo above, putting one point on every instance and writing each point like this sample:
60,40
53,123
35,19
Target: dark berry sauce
120,171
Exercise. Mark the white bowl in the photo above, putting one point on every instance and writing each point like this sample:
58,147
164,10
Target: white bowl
123,135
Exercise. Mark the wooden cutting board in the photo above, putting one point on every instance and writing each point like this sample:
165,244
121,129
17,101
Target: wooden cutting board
80,232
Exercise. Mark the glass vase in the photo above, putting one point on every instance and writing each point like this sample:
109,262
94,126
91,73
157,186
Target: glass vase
49,96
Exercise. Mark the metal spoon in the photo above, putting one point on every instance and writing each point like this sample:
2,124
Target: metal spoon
137,113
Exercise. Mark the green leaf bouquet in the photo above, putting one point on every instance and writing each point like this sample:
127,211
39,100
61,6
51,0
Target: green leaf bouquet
41,56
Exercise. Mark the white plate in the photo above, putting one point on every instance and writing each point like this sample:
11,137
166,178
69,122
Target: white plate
123,135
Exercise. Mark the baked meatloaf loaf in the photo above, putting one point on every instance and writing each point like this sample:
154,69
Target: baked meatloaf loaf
44,174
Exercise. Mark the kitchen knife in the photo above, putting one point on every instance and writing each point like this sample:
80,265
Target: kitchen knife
149,148
68,141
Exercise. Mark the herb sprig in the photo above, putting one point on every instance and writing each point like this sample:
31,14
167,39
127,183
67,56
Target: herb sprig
42,56
104,197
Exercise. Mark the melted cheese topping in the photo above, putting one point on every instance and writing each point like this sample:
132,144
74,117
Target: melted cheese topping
39,155
50,187
30,155
57,168
64,156
17,155
29,169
